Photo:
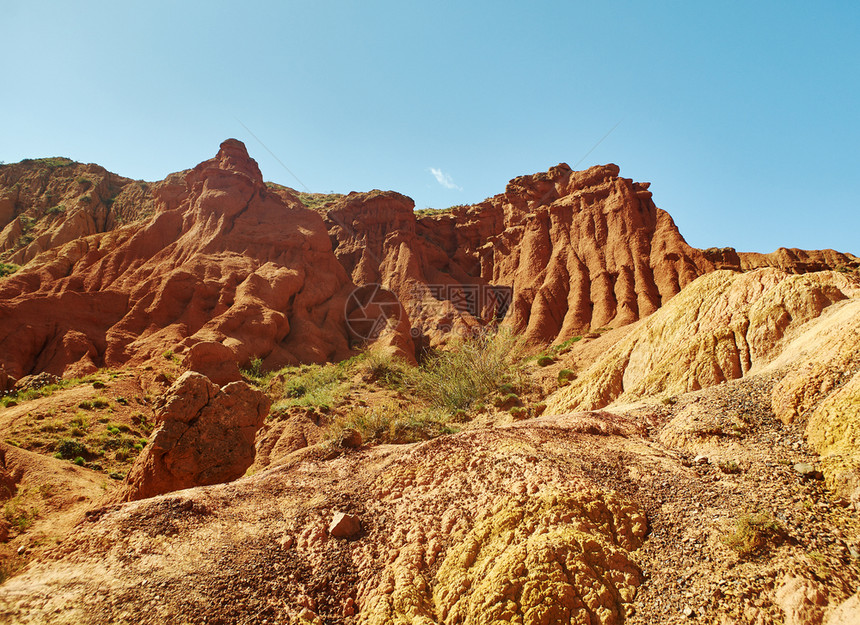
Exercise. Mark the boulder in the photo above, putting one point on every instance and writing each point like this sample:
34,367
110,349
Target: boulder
344,525
36,381
214,360
204,435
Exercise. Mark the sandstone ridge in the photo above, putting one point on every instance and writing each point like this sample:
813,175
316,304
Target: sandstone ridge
225,258
222,260
576,250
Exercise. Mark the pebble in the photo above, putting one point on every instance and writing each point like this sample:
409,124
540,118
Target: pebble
807,471
701,460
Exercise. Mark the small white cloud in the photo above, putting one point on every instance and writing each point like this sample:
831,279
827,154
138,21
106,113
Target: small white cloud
444,179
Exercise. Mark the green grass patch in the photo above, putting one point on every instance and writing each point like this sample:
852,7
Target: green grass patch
565,376
555,350
469,372
7,269
51,162
44,391
754,533
317,201
19,516
315,386
433,212
390,424
67,448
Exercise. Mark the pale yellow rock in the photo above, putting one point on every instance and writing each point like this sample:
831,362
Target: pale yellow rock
543,559
848,613
802,601
721,327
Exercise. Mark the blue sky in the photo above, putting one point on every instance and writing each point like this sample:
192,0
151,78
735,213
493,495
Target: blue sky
745,117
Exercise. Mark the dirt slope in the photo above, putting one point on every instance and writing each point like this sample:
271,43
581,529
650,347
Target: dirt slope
591,517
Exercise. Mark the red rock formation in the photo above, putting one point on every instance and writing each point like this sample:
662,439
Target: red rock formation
230,260
791,260
204,435
214,360
223,260
45,203
579,250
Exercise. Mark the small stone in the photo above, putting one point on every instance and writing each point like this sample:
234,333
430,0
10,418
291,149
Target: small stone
344,525
22,550
807,471
688,612
701,460
350,439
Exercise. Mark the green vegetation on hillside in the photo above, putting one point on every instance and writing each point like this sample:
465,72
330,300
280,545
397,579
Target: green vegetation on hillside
313,201
407,403
433,212
7,269
316,201
50,162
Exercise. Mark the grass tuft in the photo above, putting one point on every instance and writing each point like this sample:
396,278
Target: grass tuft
754,533
469,372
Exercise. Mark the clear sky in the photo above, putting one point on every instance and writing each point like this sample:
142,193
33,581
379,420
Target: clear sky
744,116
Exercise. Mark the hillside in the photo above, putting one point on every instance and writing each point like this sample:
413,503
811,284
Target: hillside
225,401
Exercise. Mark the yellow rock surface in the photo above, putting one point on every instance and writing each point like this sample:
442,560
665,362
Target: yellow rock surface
553,558
723,326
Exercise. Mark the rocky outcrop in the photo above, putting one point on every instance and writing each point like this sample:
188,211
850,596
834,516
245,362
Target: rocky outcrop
822,389
204,435
720,328
805,329
791,260
226,258
214,360
48,202
557,254
223,260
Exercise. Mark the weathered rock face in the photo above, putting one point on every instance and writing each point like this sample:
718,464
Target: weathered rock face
223,260
719,329
822,389
204,435
790,260
214,360
577,251
6,383
46,203
226,259
803,328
